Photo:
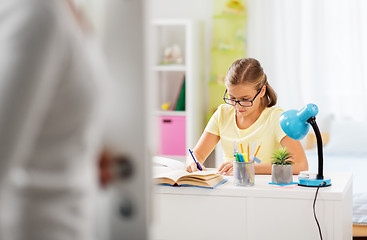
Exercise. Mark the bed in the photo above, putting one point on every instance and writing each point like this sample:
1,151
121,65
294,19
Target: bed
346,151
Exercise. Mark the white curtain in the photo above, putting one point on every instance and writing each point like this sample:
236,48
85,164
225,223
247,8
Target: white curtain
313,51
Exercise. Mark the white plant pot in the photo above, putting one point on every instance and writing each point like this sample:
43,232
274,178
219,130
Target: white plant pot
281,173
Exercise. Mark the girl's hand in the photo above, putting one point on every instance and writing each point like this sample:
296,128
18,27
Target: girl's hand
226,168
192,167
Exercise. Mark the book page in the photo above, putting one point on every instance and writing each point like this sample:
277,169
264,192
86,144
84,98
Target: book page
202,173
173,164
201,178
174,175
157,170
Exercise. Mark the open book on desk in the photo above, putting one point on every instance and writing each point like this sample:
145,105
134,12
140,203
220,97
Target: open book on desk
163,164
172,172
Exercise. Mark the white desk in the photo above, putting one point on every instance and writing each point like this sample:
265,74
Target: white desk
262,211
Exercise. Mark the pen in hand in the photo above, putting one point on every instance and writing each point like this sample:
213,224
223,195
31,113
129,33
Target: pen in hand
197,163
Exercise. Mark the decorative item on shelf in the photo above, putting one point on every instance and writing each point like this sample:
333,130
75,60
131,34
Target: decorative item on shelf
166,106
234,7
296,125
282,171
172,55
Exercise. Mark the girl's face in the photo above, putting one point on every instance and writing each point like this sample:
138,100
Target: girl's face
246,93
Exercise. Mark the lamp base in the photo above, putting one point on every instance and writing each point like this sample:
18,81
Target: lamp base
306,182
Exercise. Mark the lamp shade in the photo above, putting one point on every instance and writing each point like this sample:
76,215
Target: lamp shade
294,123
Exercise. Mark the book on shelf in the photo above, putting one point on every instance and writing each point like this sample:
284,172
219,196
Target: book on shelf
172,172
181,97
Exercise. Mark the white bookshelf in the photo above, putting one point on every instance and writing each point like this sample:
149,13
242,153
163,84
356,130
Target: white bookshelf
165,80
170,113
170,68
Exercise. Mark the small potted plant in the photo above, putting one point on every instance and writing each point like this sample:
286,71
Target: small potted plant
282,171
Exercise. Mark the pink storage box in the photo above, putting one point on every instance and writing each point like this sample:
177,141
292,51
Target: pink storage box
172,135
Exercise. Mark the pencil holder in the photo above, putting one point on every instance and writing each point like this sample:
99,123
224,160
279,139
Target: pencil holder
244,173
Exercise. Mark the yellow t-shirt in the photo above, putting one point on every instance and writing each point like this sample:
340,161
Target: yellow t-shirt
265,131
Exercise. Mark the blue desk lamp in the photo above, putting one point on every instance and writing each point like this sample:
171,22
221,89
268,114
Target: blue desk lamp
296,125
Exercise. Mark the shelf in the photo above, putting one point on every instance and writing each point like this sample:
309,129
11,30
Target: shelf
170,68
170,113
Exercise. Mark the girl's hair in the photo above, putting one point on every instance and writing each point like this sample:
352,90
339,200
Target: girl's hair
249,70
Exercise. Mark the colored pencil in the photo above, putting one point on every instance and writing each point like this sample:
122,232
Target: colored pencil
257,150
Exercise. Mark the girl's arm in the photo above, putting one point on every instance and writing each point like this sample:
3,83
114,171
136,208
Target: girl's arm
203,148
298,157
263,168
297,152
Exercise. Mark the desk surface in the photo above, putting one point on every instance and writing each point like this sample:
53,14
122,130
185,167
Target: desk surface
340,182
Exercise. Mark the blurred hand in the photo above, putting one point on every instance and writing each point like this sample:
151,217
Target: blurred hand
105,163
192,167
226,168
113,166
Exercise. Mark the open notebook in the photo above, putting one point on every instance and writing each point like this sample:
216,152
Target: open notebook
171,172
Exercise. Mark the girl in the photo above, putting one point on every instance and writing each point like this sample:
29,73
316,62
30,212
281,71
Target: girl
247,116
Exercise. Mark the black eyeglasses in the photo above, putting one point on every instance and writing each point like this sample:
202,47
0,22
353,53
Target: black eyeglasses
243,103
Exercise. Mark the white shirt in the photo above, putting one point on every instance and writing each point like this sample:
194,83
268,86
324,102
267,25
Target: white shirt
49,123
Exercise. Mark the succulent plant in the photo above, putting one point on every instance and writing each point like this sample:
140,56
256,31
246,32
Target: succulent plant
281,157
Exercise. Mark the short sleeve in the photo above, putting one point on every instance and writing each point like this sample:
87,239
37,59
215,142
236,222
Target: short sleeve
278,131
213,124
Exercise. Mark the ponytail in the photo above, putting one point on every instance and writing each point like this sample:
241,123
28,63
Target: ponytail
270,98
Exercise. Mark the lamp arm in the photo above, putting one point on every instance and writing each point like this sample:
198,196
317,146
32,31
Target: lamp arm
312,121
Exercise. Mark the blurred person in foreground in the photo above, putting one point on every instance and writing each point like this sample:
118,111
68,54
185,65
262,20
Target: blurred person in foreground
50,122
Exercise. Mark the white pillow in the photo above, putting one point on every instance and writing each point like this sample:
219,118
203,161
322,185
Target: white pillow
347,137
